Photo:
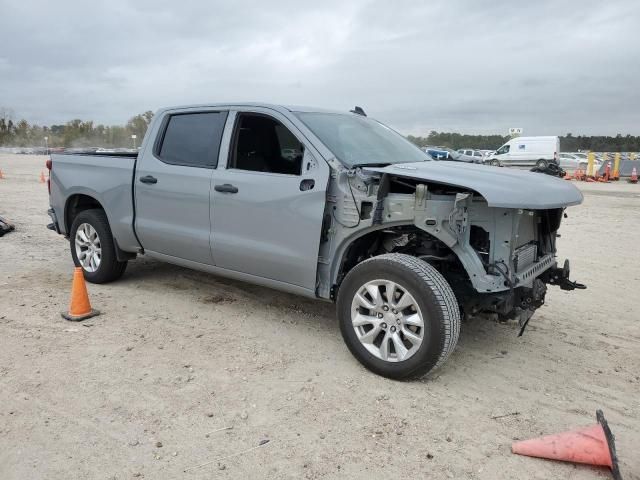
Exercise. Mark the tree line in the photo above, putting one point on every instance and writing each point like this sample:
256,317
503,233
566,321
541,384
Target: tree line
81,133
75,133
568,143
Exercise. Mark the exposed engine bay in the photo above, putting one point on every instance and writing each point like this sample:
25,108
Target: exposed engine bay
496,259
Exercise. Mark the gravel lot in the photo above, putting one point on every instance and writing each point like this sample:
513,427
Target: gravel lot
146,389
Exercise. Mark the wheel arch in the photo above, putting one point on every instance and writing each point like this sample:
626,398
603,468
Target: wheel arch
339,256
76,203
80,202
361,241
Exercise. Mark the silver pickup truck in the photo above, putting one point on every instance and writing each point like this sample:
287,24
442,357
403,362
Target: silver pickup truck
330,205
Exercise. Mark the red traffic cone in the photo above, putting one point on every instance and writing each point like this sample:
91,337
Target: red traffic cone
593,445
42,180
634,176
79,307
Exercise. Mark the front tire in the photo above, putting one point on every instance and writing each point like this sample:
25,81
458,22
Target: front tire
542,163
93,248
398,316
494,163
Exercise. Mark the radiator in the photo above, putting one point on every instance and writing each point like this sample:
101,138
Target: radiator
524,257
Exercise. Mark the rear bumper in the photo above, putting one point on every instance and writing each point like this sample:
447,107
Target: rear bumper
54,225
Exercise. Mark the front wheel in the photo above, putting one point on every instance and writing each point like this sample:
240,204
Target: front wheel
398,315
93,249
495,162
542,163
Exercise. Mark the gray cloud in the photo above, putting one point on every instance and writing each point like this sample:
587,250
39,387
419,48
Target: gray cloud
470,66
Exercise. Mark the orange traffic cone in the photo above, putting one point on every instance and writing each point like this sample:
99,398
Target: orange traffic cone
593,445
80,307
1,175
42,180
634,176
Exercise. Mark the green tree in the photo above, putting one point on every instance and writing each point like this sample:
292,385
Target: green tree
138,125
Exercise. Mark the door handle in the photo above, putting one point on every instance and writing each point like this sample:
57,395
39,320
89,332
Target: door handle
307,184
149,179
226,188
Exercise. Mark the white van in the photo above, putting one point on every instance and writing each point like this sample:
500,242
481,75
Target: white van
525,151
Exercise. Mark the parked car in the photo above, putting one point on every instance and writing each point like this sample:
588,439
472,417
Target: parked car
444,153
478,156
570,162
527,151
437,153
583,159
403,245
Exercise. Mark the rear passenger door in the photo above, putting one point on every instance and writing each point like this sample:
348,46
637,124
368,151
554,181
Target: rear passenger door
268,202
173,185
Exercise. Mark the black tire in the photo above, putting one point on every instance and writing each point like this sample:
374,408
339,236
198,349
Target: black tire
110,268
434,297
542,163
495,162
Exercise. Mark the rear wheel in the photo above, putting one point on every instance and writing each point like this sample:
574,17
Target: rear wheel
93,249
398,315
542,163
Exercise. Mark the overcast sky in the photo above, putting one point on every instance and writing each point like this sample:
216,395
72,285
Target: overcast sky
550,67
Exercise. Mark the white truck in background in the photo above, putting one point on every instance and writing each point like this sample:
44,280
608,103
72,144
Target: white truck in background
527,151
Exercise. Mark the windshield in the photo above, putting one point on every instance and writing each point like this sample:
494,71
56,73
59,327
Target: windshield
357,140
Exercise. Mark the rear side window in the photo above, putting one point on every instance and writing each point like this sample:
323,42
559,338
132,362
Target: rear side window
192,139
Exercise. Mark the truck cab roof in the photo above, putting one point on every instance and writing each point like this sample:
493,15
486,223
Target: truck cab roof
277,107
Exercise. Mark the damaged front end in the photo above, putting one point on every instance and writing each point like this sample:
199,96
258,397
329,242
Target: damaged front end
509,254
498,253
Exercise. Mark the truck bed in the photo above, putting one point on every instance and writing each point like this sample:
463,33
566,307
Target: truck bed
111,177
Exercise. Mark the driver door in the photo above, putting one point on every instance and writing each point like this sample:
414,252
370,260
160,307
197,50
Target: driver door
268,203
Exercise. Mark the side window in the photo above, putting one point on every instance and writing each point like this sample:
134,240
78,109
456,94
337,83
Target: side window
262,144
192,139
503,149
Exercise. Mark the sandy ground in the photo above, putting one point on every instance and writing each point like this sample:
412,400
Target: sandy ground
178,355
